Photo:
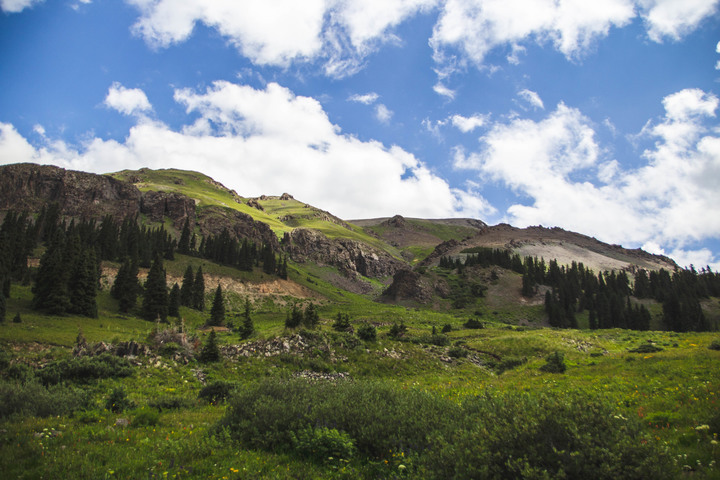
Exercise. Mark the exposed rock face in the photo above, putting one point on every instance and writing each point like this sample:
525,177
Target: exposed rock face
213,220
409,285
177,206
28,187
351,257
254,204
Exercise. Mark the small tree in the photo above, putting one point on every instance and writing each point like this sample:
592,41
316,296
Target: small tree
342,323
198,289
367,332
217,312
247,328
397,331
311,317
174,301
155,301
294,317
186,292
555,363
210,351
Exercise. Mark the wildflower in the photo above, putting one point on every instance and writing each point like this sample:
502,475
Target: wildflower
702,427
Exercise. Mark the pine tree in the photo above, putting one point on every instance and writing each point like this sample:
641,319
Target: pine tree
184,243
174,301
50,290
198,291
155,300
126,287
310,316
217,311
210,351
186,292
592,320
294,317
83,285
247,328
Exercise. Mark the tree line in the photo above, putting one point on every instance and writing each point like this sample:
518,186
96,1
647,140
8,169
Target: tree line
605,296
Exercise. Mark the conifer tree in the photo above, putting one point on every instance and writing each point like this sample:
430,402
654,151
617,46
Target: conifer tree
3,306
210,351
125,289
186,292
217,311
198,291
174,301
155,300
247,328
294,317
50,290
184,242
83,285
310,316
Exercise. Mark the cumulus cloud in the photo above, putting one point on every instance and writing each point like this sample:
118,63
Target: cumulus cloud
673,19
532,98
267,141
468,124
444,91
16,6
128,101
383,114
559,166
367,99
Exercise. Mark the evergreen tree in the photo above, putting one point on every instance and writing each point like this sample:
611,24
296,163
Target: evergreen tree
50,290
184,243
342,323
592,320
282,269
3,306
210,351
310,316
247,328
294,317
126,288
198,291
174,301
186,292
155,300
217,311
83,285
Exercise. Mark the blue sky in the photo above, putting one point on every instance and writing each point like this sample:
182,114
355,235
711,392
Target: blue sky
597,117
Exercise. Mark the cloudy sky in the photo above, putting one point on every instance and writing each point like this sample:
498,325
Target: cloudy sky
598,117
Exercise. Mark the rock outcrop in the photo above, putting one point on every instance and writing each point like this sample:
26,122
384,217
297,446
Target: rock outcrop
409,285
178,207
213,220
349,256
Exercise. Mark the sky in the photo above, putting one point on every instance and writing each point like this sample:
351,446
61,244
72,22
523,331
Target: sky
596,117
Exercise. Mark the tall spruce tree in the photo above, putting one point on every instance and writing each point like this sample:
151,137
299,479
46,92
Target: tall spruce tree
125,289
184,242
210,351
186,292
50,289
248,327
83,285
217,311
155,300
198,291
174,301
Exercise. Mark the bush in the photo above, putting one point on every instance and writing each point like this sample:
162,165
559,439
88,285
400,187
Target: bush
473,323
17,318
447,328
33,399
118,401
714,345
146,417
508,364
217,392
21,373
646,348
170,402
398,331
458,352
322,444
84,369
555,363
367,332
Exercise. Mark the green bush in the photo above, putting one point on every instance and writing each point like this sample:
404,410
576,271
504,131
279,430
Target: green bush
322,444
170,402
21,373
646,348
473,323
447,328
84,369
555,363
367,332
146,417
33,399
217,392
118,401
458,352
509,363
714,345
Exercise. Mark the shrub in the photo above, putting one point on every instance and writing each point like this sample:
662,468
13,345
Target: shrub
555,363
458,352
714,345
118,401
217,392
398,331
342,323
170,402
21,373
646,348
146,417
84,369
210,351
508,364
473,323
33,399
367,332
17,318
447,328
322,444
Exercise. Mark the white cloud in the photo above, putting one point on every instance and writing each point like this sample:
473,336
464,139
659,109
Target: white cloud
267,141
444,91
128,101
366,99
673,18
468,124
557,164
383,114
17,6
532,98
